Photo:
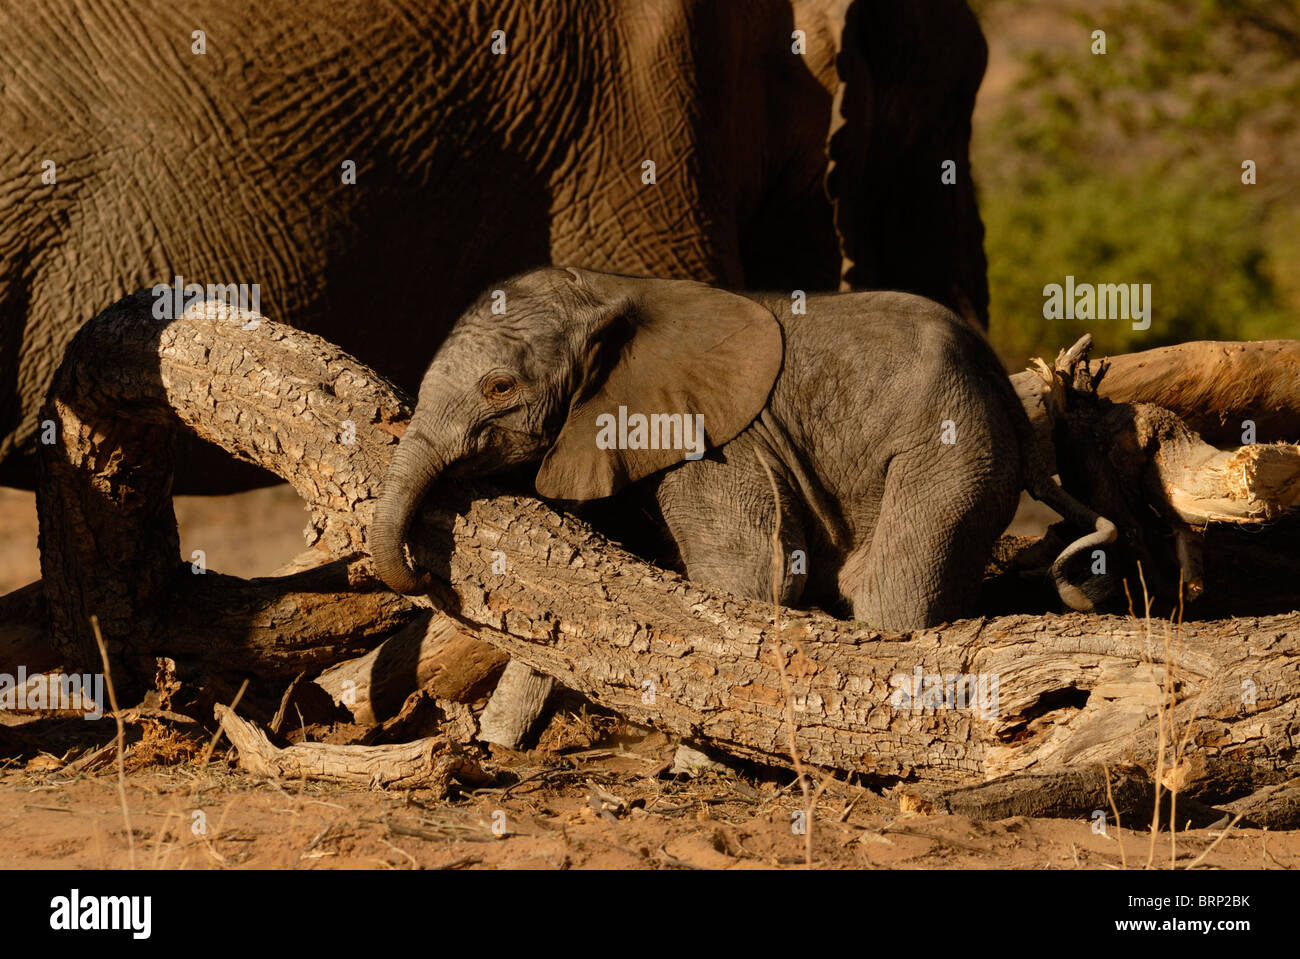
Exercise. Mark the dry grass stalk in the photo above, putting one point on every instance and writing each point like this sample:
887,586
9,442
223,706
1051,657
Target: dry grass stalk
121,738
203,763
810,796
1168,767
1119,833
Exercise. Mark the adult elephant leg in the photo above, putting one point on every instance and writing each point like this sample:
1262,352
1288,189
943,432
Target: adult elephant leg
938,524
898,171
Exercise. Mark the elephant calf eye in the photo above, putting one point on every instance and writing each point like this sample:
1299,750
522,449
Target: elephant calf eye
499,387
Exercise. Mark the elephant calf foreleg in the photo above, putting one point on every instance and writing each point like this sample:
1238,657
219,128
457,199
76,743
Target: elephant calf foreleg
722,519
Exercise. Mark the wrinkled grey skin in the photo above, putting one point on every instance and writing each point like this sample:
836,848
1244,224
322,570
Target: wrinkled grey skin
849,404
227,167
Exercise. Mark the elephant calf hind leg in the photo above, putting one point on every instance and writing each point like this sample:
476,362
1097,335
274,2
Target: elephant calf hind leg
926,560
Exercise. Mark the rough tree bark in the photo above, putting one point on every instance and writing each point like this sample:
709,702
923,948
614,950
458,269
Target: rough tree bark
662,651
669,653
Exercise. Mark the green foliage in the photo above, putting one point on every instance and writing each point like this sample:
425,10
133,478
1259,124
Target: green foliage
1126,168
1200,250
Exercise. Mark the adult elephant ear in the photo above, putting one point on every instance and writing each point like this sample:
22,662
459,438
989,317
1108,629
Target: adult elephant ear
898,167
668,348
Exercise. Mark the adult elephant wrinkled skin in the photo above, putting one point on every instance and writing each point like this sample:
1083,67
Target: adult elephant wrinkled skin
883,425
215,140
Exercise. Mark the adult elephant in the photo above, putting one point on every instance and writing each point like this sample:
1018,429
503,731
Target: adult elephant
372,166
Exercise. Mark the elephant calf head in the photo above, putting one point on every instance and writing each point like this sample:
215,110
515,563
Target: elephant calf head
541,370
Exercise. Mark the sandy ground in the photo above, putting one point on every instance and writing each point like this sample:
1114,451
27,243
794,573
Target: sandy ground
611,807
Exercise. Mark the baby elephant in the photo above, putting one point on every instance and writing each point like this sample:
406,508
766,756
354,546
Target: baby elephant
894,440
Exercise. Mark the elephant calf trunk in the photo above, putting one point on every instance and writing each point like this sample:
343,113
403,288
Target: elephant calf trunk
410,474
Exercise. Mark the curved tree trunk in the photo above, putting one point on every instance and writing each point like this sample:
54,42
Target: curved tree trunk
282,399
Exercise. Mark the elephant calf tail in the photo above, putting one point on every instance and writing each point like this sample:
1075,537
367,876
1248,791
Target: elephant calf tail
1044,489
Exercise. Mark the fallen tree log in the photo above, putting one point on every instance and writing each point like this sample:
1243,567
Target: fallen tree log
428,653
1193,517
1215,387
1230,394
517,704
954,705
1073,794
671,654
430,763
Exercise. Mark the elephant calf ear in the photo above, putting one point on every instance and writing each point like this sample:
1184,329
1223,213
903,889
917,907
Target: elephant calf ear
694,351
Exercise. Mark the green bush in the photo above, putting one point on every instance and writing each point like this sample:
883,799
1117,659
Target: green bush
1126,168
1203,252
